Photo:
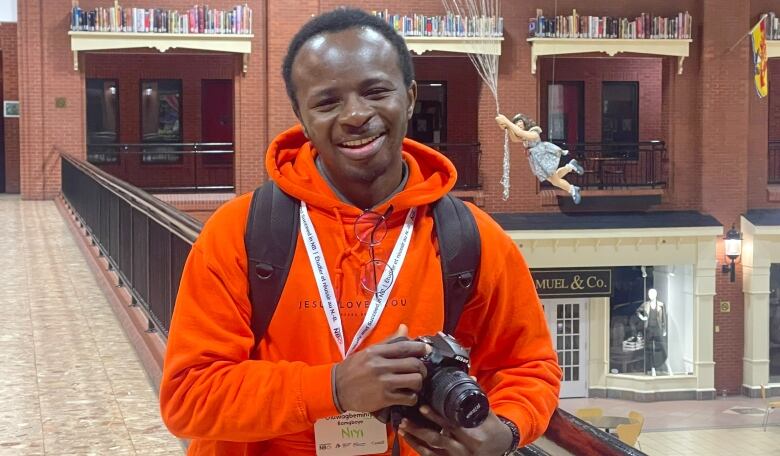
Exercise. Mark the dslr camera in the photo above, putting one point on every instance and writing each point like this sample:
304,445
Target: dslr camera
447,387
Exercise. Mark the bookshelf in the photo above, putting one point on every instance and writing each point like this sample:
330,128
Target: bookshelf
99,41
421,44
559,46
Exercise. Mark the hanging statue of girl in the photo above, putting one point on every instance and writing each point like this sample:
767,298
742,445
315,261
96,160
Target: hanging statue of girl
543,156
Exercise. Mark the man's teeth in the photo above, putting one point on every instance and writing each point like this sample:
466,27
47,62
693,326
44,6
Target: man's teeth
359,142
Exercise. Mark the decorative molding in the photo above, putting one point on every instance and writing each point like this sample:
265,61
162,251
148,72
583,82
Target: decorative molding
560,46
422,44
99,41
772,48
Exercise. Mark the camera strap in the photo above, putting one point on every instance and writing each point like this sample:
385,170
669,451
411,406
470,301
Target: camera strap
395,421
325,286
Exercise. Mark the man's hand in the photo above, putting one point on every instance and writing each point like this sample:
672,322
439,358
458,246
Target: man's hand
491,438
382,375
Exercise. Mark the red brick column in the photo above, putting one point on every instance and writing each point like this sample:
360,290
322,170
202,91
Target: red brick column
46,74
725,93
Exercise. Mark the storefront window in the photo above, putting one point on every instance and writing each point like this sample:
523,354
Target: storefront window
651,321
774,323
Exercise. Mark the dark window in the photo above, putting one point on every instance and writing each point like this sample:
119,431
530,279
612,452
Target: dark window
102,121
620,117
429,121
161,120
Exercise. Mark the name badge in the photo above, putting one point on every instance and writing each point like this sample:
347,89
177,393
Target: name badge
353,433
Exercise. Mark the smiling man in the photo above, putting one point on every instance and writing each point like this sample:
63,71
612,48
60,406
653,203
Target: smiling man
350,82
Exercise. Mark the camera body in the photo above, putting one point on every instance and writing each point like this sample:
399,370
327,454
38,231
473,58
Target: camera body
447,388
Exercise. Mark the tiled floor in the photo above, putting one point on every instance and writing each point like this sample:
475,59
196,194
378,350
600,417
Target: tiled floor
697,427
70,383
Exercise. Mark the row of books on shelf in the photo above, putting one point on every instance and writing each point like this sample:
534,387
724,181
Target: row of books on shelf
198,19
645,26
452,25
772,26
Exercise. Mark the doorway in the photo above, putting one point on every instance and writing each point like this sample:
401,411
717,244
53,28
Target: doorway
568,323
217,133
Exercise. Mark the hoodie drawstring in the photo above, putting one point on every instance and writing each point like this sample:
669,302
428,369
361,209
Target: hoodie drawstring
345,252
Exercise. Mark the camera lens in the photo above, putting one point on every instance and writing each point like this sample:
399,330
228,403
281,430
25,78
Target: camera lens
455,396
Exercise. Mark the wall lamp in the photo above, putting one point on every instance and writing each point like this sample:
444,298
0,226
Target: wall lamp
733,241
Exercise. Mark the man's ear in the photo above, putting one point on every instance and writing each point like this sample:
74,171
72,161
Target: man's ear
298,116
411,94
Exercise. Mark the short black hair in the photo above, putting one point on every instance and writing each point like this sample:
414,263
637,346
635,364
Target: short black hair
339,20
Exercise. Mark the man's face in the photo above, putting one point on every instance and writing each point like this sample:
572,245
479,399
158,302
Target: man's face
353,103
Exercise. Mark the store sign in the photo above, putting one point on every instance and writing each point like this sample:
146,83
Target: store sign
570,283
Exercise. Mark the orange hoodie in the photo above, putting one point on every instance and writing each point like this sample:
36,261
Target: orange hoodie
229,404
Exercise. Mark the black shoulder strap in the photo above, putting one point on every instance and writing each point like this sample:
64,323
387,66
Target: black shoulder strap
270,238
460,250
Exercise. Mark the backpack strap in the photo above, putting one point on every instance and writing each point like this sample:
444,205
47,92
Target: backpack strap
270,238
459,250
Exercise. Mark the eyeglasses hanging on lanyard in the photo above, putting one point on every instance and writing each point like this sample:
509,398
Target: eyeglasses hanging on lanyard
371,229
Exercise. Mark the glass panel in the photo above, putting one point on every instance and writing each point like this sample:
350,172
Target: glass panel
774,324
102,121
576,344
620,117
575,373
565,112
567,373
568,343
559,312
568,310
161,120
576,360
576,327
651,320
576,311
429,120
559,342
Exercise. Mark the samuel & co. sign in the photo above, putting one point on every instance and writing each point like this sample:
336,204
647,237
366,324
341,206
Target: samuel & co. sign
568,283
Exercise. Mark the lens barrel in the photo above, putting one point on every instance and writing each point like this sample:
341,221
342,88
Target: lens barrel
458,398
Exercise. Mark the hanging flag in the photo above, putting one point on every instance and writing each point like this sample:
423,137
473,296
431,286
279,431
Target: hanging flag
758,35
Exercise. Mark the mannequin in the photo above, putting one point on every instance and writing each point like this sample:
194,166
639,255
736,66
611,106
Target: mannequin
653,314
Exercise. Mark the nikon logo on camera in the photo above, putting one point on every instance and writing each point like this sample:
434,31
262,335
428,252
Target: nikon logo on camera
570,283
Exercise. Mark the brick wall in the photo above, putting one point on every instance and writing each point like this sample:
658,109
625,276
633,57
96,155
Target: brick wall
10,68
46,73
128,70
593,72
462,88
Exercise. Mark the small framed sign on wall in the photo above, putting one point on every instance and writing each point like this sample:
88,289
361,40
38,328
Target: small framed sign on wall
11,109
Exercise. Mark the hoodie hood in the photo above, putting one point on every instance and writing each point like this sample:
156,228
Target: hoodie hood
290,163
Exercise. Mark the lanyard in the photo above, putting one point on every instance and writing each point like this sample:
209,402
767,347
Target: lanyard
378,301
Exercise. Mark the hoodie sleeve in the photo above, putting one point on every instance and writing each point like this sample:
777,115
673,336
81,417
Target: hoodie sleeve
512,354
210,388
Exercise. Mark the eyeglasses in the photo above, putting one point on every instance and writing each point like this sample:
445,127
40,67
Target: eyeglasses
371,229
